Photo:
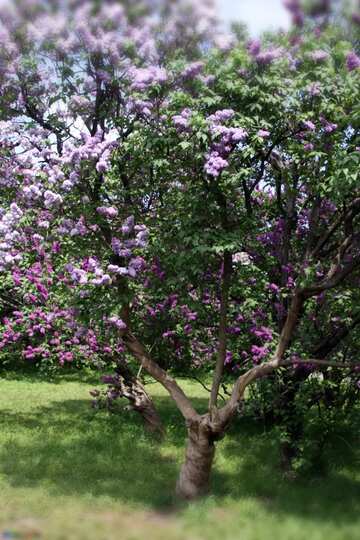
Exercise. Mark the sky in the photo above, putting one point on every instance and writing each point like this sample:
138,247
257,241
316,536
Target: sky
258,14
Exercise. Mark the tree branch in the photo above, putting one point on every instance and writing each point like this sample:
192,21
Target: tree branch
137,350
224,305
258,372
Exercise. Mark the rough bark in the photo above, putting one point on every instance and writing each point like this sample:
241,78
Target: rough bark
151,418
194,478
140,401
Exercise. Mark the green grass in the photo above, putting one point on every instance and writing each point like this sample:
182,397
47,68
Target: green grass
68,473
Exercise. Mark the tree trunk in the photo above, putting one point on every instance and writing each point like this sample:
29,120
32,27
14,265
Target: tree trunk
131,388
143,404
290,419
195,472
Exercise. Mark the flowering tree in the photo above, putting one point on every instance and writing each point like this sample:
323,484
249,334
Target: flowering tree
69,72
199,207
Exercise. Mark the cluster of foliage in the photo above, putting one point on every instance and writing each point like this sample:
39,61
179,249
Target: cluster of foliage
186,193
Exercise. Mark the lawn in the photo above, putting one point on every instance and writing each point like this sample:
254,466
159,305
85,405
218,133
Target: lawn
67,472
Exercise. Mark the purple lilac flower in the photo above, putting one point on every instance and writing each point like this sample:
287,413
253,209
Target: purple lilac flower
128,225
273,287
309,125
67,185
262,332
352,61
67,356
329,127
116,245
258,353
103,279
237,134
215,164
222,116
138,263
32,192
314,89
263,133
168,334
101,166
117,322
181,121
52,199
79,276
143,78
192,70
107,211
254,47
319,56
309,147
266,57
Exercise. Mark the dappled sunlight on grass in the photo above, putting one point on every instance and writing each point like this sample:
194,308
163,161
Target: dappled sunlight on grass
84,474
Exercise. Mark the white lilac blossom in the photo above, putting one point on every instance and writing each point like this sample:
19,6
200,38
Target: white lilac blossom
120,270
242,258
44,224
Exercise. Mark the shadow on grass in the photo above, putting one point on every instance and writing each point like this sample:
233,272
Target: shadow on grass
333,498
71,450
